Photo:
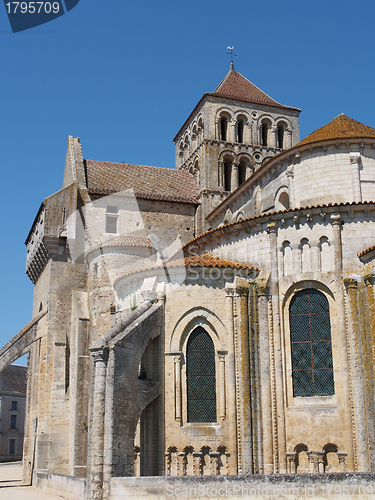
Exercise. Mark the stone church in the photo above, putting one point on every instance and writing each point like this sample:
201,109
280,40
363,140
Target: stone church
213,319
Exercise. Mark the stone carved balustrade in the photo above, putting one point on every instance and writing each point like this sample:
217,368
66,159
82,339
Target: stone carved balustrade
197,463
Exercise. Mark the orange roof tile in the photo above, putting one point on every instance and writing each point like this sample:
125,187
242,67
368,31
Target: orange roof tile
129,241
153,183
204,260
272,214
364,252
340,127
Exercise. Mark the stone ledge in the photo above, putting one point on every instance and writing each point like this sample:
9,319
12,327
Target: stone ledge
286,486
69,487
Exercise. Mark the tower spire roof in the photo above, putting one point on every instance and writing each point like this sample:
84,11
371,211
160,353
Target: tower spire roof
235,86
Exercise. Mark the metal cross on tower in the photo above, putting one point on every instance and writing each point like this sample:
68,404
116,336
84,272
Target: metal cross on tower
231,55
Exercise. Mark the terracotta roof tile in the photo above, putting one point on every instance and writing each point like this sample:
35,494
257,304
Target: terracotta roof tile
340,127
236,86
129,241
153,183
204,260
272,214
364,252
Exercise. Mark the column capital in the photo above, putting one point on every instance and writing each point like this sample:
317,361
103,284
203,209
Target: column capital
351,283
369,279
100,355
290,171
271,227
335,219
261,287
242,286
355,158
235,164
177,357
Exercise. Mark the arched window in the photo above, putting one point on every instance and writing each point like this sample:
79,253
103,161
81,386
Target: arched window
200,375
310,335
227,174
242,171
240,129
264,134
223,128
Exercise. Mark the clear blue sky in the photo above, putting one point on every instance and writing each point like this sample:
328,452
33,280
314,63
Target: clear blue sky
123,76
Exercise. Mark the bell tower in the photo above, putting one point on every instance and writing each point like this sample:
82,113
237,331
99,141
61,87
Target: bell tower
230,133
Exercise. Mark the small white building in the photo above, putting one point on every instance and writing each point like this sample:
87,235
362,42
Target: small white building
12,412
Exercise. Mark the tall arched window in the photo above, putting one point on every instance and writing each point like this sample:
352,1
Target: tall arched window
223,128
200,375
264,134
227,174
240,129
310,335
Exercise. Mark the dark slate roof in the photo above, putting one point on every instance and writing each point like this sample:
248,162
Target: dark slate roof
13,379
341,127
154,183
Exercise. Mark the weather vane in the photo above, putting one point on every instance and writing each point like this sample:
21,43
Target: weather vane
231,53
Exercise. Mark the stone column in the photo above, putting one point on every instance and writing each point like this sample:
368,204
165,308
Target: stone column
258,134
289,138
222,388
220,174
177,382
314,459
200,135
181,463
342,460
266,466
197,456
276,349
244,430
355,159
233,129
273,137
98,418
214,456
248,132
217,129
370,289
167,457
231,370
341,319
249,170
292,462
336,227
290,177
137,461
234,176
357,374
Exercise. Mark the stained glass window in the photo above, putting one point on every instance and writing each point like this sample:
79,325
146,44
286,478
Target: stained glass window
310,335
201,380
